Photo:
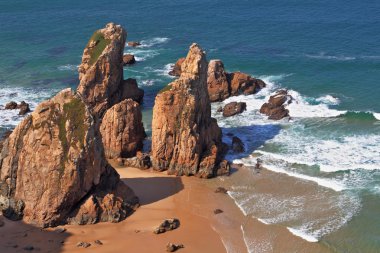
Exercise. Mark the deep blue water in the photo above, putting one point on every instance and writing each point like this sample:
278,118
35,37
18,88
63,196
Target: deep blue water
326,52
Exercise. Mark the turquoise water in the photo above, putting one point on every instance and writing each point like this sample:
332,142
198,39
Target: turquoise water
326,53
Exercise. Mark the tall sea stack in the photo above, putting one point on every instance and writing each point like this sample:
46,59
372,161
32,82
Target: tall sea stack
185,139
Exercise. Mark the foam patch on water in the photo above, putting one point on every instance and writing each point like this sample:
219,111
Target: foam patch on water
142,55
154,41
162,71
329,100
68,67
301,108
377,115
325,56
346,153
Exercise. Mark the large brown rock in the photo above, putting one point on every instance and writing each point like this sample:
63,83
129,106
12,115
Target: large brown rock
242,83
101,71
275,107
122,130
176,71
129,89
53,165
217,83
234,108
128,59
185,139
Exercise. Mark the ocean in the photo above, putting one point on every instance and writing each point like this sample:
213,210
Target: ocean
326,53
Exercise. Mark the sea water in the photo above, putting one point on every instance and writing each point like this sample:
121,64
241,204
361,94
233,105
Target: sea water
326,53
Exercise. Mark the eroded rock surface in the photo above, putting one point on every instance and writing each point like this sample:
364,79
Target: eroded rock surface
275,107
185,139
101,70
176,71
122,130
217,83
234,108
53,163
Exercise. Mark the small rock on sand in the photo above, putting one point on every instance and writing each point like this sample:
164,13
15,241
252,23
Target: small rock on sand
83,244
171,247
98,242
221,190
218,211
167,225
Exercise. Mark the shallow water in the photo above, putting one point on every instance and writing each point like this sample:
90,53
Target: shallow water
326,53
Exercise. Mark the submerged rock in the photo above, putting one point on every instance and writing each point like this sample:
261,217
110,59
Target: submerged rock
23,106
185,139
11,105
53,163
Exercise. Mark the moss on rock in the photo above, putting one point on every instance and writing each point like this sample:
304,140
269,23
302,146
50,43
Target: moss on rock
96,45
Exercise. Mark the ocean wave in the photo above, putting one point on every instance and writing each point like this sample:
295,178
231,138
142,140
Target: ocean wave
361,116
142,55
301,233
33,96
324,56
68,67
329,100
163,71
302,108
154,41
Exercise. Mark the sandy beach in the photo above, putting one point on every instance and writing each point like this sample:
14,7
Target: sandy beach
161,197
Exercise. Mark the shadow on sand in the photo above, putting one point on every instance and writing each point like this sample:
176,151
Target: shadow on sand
153,189
17,236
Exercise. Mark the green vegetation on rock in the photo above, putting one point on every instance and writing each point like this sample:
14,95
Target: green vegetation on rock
74,113
166,88
100,44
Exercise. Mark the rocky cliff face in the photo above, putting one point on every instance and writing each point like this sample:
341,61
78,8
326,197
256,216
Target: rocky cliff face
221,84
185,139
103,89
53,162
217,82
101,71
122,130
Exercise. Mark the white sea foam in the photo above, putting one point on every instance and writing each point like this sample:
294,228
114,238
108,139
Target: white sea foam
154,41
149,82
301,108
302,234
376,115
324,56
163,71
142,55
32,96
68,67
329,100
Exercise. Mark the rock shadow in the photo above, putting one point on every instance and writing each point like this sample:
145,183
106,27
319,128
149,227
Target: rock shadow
253,137
17,236
153,189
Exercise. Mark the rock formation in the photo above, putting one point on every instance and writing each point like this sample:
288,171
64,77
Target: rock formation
275,108
134,43
105,92
53,170
242,83
221,84
128,59
101,71
24,107
237,145
217,83
176,71
122,130
185,139
234,108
